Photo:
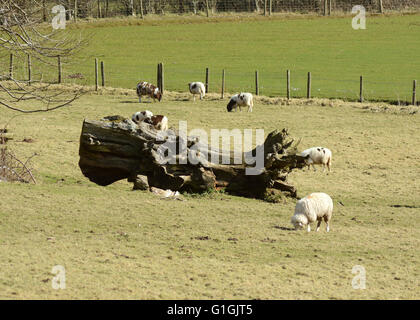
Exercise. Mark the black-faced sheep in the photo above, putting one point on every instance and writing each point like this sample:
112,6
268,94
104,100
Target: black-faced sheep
240,100
147,89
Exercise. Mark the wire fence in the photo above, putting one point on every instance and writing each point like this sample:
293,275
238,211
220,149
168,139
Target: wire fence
113,8
272,83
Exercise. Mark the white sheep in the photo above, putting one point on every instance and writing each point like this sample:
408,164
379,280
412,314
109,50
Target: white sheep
240,100
316,206
197,88
318,155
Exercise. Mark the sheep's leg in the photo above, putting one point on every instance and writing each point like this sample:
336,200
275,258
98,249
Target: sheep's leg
139,99
317,226
326,221
309,228
313,165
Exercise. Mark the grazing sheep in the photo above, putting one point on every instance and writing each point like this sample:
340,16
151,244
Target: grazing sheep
316,206
318,155
141,116
147,89
197,88
239,100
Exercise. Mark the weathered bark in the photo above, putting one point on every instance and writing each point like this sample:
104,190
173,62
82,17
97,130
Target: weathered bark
115,148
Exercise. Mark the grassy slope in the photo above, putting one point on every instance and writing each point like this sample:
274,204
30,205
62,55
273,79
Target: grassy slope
116,243
328,47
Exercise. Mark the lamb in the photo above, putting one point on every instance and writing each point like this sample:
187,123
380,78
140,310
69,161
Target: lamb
318,155
197,88
316,206
239,100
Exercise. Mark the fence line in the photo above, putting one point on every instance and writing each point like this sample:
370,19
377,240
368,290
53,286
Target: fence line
303,85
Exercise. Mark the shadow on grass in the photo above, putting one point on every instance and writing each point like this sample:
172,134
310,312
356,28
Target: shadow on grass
284,228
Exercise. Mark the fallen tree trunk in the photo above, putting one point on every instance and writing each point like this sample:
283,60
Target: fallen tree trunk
116,148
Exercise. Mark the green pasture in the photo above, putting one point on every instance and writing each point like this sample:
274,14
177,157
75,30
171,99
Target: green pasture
386,54
115,243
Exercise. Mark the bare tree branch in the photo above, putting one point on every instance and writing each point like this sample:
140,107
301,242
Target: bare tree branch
23,34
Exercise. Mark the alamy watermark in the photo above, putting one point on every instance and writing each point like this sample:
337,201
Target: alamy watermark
175,150
359,21
359,280
59,281
59,20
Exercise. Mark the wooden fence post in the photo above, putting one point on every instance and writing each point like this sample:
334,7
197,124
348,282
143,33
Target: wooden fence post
223,83
207,80
29,70
414,102
96,74
59,69
162,78
103,74
288,84
329,7
271,7
158,75
361,89
265,7
11,66
308,92
257,89
325,7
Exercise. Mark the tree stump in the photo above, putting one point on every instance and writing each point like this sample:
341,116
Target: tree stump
116,148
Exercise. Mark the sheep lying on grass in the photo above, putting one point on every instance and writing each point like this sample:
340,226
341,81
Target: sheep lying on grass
318,155
316,206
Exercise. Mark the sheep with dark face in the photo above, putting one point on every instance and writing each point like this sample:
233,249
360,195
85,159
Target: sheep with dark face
197,88
141,116
318,155
147,89
314,207
240,100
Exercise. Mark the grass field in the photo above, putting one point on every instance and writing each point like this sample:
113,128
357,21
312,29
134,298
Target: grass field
120,244
385,54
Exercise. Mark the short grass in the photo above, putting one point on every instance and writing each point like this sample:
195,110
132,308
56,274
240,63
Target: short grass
328,47
116,243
